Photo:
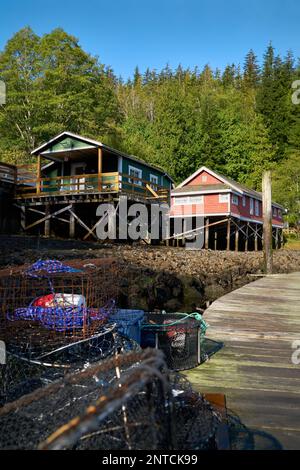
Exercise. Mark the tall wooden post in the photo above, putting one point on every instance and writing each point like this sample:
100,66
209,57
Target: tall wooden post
228,234
38,175
267,214
47,221
207,233
100,155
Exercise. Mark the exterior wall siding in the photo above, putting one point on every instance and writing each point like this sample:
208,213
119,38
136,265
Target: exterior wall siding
203,178
211,205
162,179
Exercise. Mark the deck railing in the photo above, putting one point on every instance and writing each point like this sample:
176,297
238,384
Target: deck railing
29,186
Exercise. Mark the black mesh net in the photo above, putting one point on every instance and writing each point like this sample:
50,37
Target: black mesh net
20,376
177,335
125,402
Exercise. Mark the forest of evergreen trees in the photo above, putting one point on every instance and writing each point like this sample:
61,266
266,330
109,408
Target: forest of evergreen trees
238,121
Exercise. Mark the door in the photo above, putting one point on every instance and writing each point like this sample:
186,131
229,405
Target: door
78,169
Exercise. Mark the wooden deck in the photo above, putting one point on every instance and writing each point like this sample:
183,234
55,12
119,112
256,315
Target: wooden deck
257,325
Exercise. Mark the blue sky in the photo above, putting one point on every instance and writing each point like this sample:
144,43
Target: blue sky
155,32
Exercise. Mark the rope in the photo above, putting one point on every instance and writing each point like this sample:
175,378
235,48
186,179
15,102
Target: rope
197,316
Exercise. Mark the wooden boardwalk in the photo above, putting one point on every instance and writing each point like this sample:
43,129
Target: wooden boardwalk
257,325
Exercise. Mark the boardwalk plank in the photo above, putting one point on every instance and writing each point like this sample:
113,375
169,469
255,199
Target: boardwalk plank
257,325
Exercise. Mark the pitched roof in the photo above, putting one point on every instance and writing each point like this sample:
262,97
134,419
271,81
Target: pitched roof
227,182
96,143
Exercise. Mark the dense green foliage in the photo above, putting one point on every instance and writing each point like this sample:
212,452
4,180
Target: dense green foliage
237,122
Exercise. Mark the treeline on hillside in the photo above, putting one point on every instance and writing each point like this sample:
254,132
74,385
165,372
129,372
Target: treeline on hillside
238,122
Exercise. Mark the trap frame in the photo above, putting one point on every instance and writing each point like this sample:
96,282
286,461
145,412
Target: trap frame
178,335
48,305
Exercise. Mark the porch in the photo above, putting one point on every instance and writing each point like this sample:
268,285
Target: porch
30,185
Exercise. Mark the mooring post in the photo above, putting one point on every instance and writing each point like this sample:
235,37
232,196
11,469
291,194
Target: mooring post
267,213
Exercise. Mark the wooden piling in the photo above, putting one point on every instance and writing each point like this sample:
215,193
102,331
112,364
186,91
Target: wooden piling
228,234
267,215
72,225
47,221
236,238
207,233
247,236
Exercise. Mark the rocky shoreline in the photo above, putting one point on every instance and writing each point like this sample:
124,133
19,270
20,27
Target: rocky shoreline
156,277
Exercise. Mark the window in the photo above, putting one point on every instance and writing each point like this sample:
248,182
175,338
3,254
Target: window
274,212
235,200
204,178
279,213
256,207
223,197
136,173
244,201
196,199
153,182
251,206
182,200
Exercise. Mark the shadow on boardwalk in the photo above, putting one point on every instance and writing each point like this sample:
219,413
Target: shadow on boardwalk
241,437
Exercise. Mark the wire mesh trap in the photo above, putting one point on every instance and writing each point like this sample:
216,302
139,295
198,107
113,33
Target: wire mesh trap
125,402
20,376
178,335
48,305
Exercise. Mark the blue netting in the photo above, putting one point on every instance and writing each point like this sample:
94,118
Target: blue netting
59,317
49,266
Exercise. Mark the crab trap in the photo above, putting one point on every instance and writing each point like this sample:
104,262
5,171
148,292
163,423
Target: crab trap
125,402
178,335
49,304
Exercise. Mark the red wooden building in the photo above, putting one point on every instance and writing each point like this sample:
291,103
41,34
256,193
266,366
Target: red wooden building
232,212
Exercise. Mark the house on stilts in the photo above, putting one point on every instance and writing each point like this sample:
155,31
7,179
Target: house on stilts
231,213
59,193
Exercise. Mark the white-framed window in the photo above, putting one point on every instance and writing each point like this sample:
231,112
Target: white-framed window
256,207
181,200
153,181
184,200
204,178
223,197
274,211
279,213
196,199
251,206
244,201
235,200
136,173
